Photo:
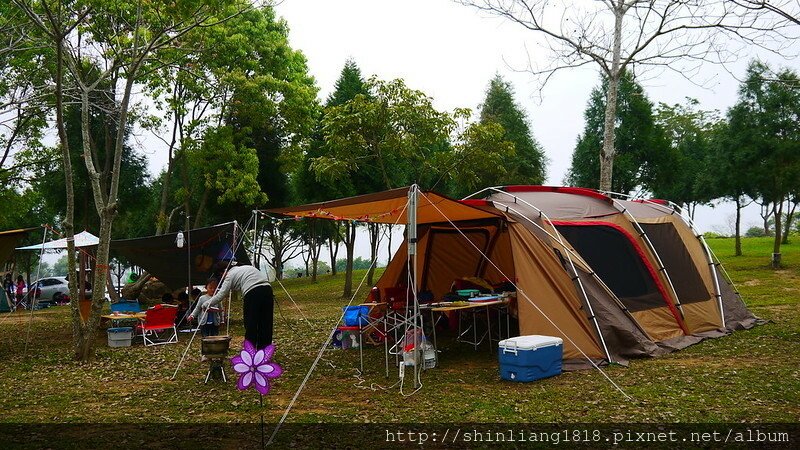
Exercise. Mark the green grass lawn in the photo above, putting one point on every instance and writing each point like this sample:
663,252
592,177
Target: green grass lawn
751,376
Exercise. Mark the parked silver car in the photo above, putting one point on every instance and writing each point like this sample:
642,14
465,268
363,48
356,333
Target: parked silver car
53,289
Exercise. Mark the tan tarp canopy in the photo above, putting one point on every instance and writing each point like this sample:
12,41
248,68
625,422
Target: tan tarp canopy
389,207
9,241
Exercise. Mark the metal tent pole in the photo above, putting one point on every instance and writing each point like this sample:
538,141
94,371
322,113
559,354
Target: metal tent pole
255,240
652,248
592,274
709,254
576,278
413,194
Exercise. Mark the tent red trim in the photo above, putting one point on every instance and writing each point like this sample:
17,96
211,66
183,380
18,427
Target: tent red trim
560,189
476,202
650,269
652,200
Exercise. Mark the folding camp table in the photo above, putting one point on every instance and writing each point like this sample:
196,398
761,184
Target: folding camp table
116,318
472,307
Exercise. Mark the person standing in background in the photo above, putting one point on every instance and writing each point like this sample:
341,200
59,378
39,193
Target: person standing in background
20,289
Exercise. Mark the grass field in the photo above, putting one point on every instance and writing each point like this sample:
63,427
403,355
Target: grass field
750,376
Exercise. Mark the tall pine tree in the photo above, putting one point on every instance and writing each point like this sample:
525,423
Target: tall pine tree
310,188
528,166
643,156
349,84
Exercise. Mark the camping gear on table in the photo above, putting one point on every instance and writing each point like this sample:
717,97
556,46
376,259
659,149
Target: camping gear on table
468,292
120,336
126,306
529,358
215,349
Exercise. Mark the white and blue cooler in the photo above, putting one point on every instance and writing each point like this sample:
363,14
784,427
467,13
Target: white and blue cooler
529,358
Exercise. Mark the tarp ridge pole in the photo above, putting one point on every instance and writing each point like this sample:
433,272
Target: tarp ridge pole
572,267
255,240
413,199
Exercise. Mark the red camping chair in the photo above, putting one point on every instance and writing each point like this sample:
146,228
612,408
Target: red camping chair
159,318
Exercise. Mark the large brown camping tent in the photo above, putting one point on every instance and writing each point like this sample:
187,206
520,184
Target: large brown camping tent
583,264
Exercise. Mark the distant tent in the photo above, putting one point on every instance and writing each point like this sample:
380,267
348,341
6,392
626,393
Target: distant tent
576,255
161,257
82,239
4,303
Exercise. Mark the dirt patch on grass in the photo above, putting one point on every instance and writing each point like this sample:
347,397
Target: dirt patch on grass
752,283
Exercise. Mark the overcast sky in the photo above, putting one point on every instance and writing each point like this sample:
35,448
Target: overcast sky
451,52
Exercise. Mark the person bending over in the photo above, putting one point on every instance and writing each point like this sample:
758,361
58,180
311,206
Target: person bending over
259,301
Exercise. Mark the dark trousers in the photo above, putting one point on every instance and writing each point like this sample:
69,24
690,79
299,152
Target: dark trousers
209,329
259,304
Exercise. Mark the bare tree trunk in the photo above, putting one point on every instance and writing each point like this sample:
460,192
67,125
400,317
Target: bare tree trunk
608,153
162,224
69,217
389,247
776,248
278,268
314,248
374,240
112,293
349,245
132,291
767,209
738,234
333,250
201,208
791,207
306,255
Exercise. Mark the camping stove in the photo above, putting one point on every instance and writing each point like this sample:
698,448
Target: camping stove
215,349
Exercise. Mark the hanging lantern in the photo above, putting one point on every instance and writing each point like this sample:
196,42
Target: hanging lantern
179,239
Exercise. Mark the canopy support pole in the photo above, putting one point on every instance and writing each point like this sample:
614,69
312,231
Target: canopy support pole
413,197
256,263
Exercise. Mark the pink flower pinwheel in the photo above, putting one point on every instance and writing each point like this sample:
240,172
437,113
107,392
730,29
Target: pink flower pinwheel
254,367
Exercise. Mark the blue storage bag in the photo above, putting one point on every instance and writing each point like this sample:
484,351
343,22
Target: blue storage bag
355,316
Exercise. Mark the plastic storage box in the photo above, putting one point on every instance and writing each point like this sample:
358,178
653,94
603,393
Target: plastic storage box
120,336
346,337
468,292
529,358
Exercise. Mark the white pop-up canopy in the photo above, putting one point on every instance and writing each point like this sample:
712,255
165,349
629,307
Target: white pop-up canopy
82,239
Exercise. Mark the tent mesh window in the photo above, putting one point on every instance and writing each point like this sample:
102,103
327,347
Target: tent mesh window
682,271
612,256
